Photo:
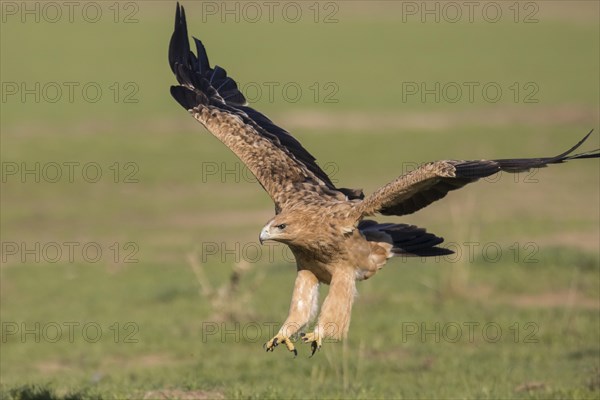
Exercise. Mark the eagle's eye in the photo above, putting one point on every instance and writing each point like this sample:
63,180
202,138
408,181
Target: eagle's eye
280,226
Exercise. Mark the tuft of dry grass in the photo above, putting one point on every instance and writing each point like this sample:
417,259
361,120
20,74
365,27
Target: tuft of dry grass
228,303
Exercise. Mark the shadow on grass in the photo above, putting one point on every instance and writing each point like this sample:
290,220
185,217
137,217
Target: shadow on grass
39,392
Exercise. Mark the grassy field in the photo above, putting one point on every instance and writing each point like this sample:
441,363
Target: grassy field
125,226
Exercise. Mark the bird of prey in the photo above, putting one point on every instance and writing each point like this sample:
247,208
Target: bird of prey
324,226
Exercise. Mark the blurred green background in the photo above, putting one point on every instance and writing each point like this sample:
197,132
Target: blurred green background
157,313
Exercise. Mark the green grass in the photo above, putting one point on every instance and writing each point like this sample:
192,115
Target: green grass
542,291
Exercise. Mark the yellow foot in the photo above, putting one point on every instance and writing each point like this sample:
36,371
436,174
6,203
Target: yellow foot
313,339
279,338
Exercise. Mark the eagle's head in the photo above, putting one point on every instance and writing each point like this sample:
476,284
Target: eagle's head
281,229
308,231
295,227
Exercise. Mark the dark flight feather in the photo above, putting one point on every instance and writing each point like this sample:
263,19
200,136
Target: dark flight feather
432,181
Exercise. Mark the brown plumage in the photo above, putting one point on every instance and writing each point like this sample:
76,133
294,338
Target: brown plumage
323,225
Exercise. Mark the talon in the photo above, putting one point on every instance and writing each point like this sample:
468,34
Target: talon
314,340
280,339
314,348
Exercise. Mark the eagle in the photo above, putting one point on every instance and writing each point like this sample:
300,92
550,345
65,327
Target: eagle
325,227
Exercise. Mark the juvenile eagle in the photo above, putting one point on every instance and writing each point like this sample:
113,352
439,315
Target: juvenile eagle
323,225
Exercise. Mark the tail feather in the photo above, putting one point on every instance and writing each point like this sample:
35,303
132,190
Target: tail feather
406,240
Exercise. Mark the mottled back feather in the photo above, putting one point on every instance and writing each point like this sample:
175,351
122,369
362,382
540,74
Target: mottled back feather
285,169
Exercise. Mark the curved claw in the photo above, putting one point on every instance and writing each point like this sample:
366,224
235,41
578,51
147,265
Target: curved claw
314,347
313,339
271,344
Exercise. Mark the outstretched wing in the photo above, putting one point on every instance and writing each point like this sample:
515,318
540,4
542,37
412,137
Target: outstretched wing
283,167
432,181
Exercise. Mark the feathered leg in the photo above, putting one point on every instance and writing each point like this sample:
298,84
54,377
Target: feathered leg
334,319
302,309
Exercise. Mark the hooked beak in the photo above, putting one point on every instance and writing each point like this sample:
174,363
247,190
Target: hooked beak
264,235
